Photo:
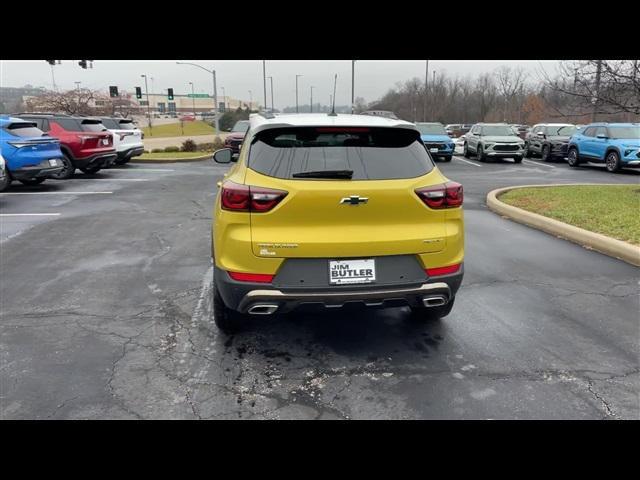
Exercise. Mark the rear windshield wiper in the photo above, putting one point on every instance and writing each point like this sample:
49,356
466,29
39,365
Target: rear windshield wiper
346,174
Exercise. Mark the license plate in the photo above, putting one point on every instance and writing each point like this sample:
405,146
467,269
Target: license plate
105,141
433,150
53,162
342,272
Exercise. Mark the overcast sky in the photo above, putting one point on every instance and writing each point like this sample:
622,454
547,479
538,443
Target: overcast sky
372,78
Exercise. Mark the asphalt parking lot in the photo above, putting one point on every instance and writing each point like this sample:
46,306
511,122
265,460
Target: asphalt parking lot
105,299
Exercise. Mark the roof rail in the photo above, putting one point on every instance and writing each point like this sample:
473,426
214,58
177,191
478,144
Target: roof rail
41,113
267,115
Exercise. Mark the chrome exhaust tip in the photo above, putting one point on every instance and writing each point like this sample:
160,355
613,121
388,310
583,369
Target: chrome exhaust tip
434,301
262,309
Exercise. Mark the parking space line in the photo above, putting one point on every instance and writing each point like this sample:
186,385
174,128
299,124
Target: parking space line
538,163
467,161
142,170
29,214
55,193
113,179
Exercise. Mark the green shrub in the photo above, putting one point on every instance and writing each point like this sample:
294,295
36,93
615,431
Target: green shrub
172,149
217,143
157,150
189,146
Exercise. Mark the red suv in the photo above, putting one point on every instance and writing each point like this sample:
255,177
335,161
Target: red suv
85,142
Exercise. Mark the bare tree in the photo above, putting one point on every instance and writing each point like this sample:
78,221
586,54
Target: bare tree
72,102
510,82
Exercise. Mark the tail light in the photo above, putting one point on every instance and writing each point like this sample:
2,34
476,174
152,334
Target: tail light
251,277
246,198
434,272
448,195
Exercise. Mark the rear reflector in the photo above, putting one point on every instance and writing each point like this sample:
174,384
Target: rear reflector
251,277
434,272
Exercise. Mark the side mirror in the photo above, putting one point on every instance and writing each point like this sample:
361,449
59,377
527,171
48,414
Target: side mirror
540,134
602,136
223,155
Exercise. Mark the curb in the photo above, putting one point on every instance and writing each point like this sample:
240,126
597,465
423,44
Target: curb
591,240
170,160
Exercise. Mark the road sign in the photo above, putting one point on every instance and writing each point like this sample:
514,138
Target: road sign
198,95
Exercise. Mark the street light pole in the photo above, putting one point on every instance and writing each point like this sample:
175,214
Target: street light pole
224,98
297,111
250,101
311,102
146,88
78,86
426,82
264,81
193,98
215,91
353,85
271,80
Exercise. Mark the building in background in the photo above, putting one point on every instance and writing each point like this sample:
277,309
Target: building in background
184,103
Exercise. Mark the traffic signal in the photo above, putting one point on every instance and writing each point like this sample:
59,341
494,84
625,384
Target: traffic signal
170,94
51,62
83,63
113,92
138,93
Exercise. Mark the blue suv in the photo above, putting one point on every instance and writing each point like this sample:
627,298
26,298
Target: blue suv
30,154
437,142
615,145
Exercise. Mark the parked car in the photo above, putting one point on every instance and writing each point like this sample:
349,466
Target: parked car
616,145
30,155
521,130
236,137
325,211
453,129
4,176
127,138
85,142
380,113
188,118
549,140
493,140
436,140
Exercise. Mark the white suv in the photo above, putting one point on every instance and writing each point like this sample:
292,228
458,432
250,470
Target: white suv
4,177
127,138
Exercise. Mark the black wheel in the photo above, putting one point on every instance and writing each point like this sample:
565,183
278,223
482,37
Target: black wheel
527,152
5,182
480,154
121,161
90,170
465,150
546,153
32,181
573,158
447,159
431,313
227,320
517,159
67,171
613,162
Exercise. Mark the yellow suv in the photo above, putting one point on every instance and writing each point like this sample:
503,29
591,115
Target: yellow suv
327,211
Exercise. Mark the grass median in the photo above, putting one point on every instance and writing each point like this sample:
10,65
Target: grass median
612,210
175,130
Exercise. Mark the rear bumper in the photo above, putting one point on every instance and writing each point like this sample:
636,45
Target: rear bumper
26,173
130,152
243,296
99,159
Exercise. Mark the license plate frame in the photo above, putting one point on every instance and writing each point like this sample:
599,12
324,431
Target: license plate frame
359,271
53,162
433,150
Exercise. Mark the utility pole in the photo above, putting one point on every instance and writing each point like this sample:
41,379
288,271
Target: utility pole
426,82
271,80
224,99
311,102
353,86
250,101
297,111
264,80
146,87
78,86
596,99
193,98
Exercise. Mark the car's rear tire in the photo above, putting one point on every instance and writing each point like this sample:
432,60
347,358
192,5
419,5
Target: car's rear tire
227,320
612,162
465,150
67,171
546,153
422,314
32,181
5,182
573,158
527,152
90,170
447,158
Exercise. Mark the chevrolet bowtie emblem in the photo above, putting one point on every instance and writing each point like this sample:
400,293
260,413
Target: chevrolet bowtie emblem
354,200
